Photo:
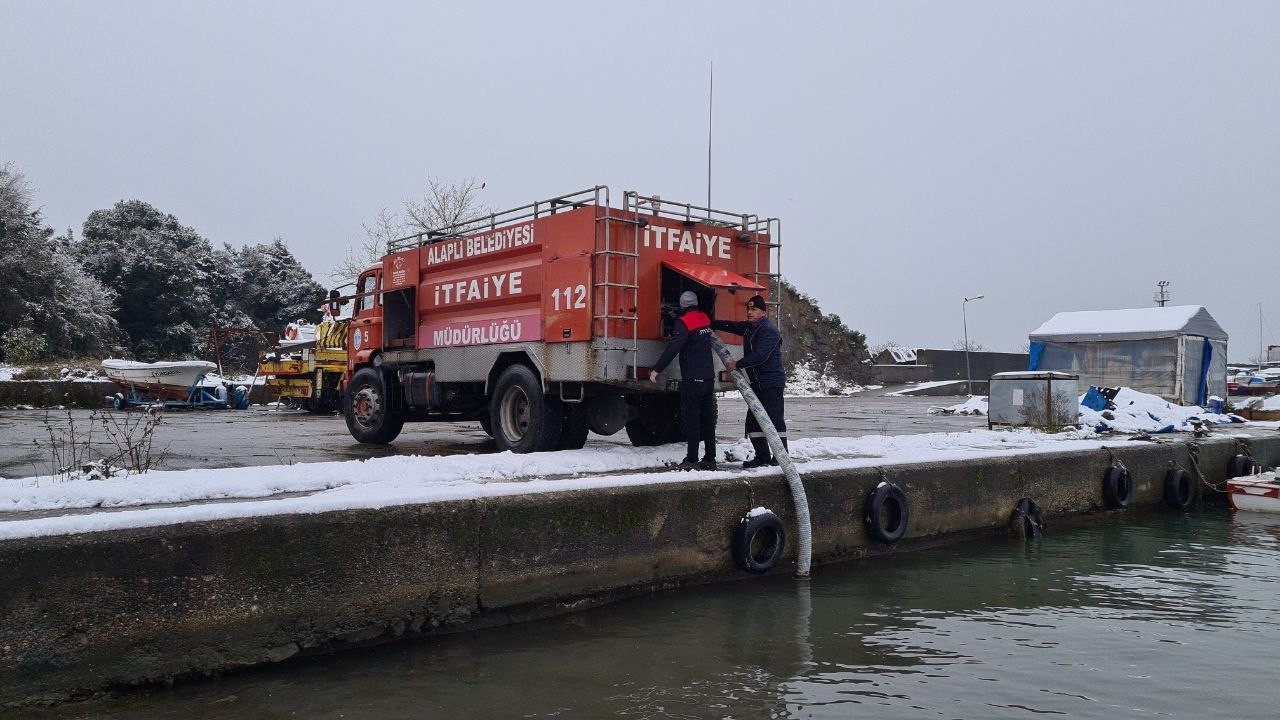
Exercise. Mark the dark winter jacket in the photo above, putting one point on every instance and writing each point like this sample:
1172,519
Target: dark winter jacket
761,351
691,339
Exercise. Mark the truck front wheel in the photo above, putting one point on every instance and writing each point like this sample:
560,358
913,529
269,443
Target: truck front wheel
368,410
524,420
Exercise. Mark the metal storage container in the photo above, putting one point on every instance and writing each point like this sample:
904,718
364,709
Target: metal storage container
1033,399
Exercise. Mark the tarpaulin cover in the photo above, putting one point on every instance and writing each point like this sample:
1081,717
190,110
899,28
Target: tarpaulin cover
1149,366
1130,324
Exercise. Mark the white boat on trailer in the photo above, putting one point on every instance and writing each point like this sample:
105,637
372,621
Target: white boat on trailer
178,380
1258,493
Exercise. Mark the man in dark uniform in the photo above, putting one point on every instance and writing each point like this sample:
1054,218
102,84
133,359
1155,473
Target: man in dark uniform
691,339
762,362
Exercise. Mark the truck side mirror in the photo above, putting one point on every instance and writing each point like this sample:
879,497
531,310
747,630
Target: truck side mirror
335,305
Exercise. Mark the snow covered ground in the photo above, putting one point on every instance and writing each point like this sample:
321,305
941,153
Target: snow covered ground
27,504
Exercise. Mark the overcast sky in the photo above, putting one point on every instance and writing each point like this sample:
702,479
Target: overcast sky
1053,157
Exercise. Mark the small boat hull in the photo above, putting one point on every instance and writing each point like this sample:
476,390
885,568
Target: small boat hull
1257,493
160,380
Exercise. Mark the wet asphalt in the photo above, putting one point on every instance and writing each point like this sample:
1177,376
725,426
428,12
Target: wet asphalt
185,439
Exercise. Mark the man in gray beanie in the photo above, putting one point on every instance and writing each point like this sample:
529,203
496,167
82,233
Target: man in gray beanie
691,340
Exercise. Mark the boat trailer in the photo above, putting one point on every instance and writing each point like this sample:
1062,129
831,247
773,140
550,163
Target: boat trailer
198,396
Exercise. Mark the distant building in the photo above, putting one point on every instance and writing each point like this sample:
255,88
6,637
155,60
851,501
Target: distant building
980,364
1273,354
1177,352
899,365
896,356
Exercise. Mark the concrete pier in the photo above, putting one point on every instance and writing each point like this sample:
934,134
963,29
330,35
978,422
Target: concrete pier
87,613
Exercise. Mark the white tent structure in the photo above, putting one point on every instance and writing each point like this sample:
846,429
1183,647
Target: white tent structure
1178,353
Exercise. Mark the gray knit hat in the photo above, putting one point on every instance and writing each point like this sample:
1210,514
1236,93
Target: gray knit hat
688,299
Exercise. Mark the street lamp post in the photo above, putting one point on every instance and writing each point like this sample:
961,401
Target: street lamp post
968,374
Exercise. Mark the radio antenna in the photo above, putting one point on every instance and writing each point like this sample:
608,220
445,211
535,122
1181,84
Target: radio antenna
711,93
1162,293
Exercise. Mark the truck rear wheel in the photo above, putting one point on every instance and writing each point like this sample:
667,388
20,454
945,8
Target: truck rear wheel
573,436
659,421
368,410
524,420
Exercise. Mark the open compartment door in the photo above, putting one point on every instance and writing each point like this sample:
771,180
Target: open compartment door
713,276
705,281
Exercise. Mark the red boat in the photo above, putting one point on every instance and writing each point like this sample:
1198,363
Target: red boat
1260,493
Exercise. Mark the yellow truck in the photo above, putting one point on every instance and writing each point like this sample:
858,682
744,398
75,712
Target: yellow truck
305,369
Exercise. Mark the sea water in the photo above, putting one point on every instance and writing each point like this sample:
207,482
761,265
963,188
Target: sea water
1131,615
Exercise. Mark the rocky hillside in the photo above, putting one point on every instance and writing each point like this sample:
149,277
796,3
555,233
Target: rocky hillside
810,335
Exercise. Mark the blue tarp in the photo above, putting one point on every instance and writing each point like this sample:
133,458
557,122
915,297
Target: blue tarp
1033,355
1202,394
1094,400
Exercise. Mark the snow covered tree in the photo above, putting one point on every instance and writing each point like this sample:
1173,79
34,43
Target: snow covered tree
162,271
49,307
443,205
272,287
174,286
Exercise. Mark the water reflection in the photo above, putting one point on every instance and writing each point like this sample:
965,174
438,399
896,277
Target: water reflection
1161,614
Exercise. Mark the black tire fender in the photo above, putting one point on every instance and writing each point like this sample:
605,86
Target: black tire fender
887,513
1239,466
1117,487
1027,521
1179,491
758,541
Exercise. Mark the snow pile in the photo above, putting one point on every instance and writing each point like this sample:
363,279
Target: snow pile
213,378
1132,411
79,374
922,386
975,405
1129,412
808,381
1270,402
50,372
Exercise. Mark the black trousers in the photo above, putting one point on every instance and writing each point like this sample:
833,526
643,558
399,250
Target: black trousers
771,399
698,411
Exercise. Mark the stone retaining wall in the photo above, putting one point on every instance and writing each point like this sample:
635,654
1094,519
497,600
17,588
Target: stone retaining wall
84,613
55,393
66,393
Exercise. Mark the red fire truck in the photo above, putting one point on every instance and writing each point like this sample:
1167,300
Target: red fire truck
541,322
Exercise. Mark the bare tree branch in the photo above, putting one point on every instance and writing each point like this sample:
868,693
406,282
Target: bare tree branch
445,205
385,227
974,346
